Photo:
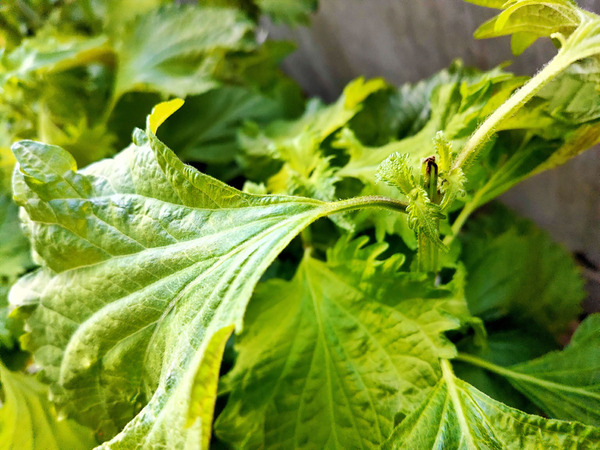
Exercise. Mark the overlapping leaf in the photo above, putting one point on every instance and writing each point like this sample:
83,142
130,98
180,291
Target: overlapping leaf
462,100
457,107
103,69
160,261
293,148
15,256
28,420
528,20
205,129
504,346
328,358
177,49
566,384
515,269
456,415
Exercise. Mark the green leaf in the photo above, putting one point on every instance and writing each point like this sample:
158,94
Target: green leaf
527,20
328,358
67,119
456,415
457,108
582,139
8,333
560,122
399,112
546,132
463,99
51,52
146,262
423,215
288,11
14,251
573,96
178,49
396,171
319,121
306,171
15,256
514,268
504,345
28,420
565,384
15,259
117,14
513,159
294,148
364,160
205,129
575,29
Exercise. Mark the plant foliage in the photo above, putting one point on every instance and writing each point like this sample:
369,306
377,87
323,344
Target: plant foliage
352,294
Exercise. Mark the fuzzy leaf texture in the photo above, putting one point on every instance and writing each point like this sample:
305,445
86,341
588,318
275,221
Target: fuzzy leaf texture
28,420
396,171
329,358
458,416
422,213
147,267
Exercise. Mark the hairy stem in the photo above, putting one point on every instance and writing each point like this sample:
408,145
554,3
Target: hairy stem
487,129
367,201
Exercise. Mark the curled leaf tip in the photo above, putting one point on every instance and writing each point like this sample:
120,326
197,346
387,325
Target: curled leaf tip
162,112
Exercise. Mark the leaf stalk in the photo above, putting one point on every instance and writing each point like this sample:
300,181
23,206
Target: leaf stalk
367,201
487,129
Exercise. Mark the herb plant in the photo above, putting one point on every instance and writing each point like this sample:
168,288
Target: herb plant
353,293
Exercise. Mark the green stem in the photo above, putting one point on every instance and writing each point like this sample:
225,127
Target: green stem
485,131
367,201
109,108
479,362
447,371
306,236
465,213
427,253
